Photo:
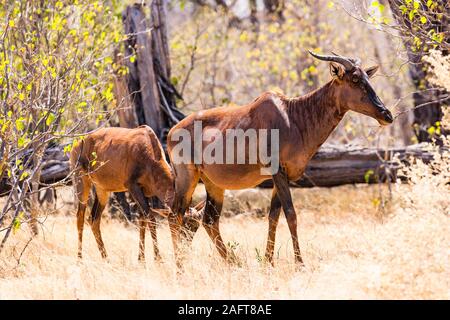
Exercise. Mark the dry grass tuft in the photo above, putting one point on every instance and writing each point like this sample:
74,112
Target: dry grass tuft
351,250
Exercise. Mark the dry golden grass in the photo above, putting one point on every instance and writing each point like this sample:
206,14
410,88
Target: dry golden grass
351,249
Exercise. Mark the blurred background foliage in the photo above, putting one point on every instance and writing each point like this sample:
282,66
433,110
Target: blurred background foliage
215,63
57,58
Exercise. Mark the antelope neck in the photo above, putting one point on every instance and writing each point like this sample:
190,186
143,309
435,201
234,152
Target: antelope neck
315,115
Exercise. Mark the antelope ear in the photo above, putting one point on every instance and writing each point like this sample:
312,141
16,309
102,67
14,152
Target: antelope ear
337,70
371,71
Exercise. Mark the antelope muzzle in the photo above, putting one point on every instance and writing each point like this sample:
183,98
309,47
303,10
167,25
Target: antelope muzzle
384,115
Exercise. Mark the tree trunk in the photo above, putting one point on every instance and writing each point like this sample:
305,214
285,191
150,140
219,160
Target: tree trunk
161,61
275,8
126,110
159,37
145,95
254,15
152,93
142,81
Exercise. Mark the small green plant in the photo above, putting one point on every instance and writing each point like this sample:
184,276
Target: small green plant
259,257
367,175
232,245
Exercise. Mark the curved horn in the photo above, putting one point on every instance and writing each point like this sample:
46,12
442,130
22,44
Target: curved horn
355,61
347,63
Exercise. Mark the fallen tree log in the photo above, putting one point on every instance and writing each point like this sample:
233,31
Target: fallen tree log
55,168
331,166
339,165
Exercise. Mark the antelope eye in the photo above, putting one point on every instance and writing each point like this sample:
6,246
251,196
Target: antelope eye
355,79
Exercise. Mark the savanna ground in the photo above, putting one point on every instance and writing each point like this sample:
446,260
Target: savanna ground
353,249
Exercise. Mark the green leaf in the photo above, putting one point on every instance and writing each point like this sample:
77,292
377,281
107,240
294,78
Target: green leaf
24,175
5,126
68,148
403,9
16,224
50,119
20,126
367,175
21,142
182,4
94,157
174,80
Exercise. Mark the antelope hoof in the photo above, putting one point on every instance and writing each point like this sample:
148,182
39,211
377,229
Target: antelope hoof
299,264
34,231
269,261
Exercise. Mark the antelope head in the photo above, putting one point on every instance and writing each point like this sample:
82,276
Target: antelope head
354,89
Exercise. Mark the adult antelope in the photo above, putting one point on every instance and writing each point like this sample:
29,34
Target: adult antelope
115,160
303,123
